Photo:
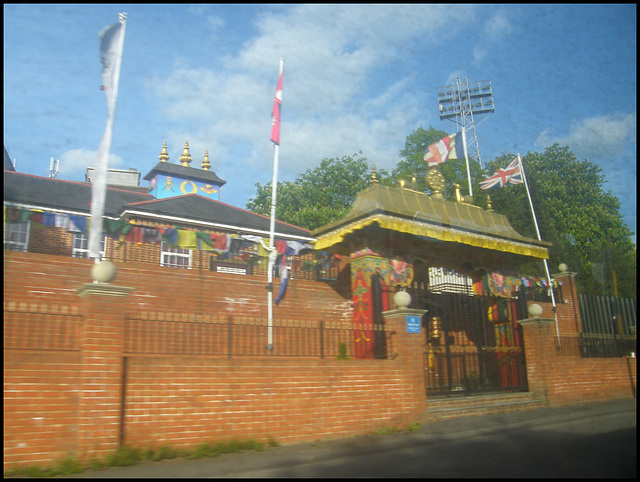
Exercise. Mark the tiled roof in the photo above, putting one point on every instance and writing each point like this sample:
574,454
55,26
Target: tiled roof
204,210
184,173
57,194
69,196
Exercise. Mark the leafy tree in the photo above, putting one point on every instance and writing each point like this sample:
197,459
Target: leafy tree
575,213
319,195
412,163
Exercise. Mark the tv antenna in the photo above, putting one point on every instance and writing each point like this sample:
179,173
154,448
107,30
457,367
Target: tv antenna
467,105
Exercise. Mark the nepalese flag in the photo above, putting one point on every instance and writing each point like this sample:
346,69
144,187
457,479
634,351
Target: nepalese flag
275,114
448,148
509,176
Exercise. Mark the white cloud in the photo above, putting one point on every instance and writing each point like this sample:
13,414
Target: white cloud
595,137
330,108
76,162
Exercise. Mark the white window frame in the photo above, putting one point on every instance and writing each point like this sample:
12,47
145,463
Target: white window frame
80,247
16,236
174,257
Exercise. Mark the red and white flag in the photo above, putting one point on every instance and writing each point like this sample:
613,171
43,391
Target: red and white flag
275,114
448,148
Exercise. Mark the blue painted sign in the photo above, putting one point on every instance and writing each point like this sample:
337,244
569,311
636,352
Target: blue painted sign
413,324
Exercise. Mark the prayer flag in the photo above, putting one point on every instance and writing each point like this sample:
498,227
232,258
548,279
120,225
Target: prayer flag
110,51
448,148
509,176
284,279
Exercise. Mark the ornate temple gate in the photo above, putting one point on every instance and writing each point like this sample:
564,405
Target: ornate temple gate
393,236
473,345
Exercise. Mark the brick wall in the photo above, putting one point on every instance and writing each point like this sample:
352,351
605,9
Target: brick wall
36,277
183,401
40,414
571,379
69,401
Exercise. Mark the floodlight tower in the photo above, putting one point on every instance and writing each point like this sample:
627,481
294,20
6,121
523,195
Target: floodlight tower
467,105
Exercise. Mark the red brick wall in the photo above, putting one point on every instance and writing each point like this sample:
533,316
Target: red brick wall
572,379
184,401
35,277
60,403
40,405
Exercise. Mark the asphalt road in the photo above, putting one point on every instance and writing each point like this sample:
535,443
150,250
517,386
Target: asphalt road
592,440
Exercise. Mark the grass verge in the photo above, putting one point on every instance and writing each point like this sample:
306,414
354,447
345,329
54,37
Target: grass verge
126,456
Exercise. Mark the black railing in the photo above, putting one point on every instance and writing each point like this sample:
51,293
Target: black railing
241,338
596,346
540,294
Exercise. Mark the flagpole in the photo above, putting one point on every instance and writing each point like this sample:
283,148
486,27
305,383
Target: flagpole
99,185
546,265
272,251
466,158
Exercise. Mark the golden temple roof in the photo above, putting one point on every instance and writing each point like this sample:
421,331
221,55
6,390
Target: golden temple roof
419,214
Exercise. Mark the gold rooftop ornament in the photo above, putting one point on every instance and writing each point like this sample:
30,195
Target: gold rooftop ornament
185,158
164,155
205,163
435,180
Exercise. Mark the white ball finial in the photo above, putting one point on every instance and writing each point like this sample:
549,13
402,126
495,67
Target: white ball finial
563,268
535,310
103,272
402,299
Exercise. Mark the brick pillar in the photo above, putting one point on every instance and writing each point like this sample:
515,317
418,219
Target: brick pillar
409,348
539,346
102,345
570,296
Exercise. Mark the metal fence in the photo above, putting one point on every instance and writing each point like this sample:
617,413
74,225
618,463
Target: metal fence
607,315
596,346
231,338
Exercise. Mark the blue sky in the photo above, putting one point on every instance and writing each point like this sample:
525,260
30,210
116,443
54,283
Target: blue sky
357,78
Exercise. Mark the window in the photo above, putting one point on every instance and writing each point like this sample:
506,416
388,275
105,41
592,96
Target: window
81,246
16,236
175,257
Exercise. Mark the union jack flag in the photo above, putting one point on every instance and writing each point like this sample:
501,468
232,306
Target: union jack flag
509,176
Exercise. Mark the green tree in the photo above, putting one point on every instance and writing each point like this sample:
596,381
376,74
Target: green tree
319,195
576,214
412,164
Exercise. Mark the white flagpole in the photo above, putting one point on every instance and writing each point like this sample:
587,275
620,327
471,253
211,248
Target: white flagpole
546,265
99,185
466,158
272,251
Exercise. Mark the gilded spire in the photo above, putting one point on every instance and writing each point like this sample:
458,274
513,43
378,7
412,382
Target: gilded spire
205,163
164,155
185,158
374,174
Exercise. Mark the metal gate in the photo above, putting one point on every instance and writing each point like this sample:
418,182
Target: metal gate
474,344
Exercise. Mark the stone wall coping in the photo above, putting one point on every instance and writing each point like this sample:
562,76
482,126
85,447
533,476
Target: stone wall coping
403,311
103,289
536,321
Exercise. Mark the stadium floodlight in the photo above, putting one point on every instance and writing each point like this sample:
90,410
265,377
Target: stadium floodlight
467,105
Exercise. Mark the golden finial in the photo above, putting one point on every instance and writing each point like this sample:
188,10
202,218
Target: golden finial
205,163
164,155
489,206
374,174
185,158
